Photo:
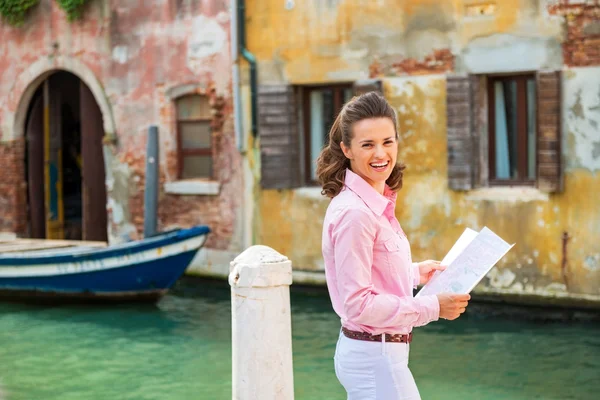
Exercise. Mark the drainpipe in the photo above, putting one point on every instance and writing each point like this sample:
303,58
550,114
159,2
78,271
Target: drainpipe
252,61
235,73
237,32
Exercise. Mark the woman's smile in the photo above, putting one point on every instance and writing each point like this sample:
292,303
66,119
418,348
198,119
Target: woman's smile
373,150
380,166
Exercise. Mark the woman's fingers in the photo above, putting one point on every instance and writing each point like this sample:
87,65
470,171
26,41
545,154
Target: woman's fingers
461,297
452,305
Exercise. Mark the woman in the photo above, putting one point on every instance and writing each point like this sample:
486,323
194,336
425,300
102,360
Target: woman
369,270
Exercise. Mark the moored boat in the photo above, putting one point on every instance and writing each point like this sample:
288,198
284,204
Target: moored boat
137,270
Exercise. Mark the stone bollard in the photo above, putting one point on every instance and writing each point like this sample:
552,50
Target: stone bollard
261,325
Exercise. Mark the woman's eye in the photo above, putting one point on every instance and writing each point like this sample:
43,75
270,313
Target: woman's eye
367,145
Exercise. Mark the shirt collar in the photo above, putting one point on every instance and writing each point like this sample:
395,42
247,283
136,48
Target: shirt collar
375,201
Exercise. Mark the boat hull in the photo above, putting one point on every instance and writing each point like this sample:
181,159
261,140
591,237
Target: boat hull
142,271
147,280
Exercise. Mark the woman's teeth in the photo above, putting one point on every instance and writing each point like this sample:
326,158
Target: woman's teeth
379,165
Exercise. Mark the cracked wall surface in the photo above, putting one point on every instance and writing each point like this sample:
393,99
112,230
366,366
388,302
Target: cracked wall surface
411,48
137,52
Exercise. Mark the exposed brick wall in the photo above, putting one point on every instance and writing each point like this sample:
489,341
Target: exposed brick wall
218,212
582,21
184,210
13,211
438,62
153,48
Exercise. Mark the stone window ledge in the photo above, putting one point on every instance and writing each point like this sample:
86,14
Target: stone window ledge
193,187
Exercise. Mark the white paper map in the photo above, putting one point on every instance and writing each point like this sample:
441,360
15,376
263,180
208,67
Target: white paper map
468,261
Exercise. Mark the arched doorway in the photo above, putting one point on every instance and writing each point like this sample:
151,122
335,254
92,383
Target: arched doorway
66,191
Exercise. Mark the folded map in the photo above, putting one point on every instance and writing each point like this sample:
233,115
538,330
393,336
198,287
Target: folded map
473,255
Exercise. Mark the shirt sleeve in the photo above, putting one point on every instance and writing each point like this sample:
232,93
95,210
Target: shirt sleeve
353,237
416,275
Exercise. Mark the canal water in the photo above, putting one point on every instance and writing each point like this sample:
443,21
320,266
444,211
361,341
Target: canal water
180,348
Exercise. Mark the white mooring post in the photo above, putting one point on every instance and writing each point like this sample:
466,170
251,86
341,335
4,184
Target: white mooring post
260,280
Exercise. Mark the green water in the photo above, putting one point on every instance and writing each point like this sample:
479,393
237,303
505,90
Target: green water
180,349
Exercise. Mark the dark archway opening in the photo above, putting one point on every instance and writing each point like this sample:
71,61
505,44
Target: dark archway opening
66,191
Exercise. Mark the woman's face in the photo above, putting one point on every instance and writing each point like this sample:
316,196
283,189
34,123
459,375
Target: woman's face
373,150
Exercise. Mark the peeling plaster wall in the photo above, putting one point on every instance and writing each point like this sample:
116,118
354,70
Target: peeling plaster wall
581,102
139,52
317,42
434,216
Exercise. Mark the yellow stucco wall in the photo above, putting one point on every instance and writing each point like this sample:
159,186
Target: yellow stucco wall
433,216
315,44
318,41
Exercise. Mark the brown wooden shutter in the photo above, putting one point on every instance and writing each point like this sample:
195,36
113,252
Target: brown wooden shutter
549,169
367,85
460,123
479,130
279,139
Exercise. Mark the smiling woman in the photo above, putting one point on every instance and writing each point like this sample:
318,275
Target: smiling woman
374,150
361,123
368,264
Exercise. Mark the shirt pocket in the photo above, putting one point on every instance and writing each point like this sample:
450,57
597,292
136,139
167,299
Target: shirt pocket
394,253
392,244
397,257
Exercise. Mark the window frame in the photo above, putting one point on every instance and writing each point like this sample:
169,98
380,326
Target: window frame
204,151
338,101
522,126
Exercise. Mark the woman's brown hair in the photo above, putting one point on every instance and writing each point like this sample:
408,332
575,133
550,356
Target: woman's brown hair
332,163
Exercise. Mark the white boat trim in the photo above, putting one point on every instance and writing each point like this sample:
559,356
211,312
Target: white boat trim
56,269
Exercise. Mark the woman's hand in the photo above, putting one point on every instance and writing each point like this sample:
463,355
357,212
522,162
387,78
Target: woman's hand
427,269
452,305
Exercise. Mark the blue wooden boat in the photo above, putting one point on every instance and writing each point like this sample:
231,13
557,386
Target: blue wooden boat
137,270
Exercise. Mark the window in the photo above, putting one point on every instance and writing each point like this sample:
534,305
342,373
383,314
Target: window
293,125
512,129
321,106
504,130
194,137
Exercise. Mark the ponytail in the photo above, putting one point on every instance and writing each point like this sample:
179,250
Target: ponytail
332,163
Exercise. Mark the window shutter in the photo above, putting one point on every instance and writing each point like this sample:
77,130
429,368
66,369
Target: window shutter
367,85
479,132
279,139
549,169
460,132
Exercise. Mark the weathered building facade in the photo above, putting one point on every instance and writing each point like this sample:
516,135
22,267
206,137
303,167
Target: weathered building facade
498,105
77,99
499,120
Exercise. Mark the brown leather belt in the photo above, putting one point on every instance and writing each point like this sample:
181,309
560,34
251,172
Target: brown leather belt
389,337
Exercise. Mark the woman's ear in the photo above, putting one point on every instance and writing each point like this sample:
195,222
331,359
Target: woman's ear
347,152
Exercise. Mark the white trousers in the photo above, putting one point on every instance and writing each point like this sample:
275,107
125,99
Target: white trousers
374,370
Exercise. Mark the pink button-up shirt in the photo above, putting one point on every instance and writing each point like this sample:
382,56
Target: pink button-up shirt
368,265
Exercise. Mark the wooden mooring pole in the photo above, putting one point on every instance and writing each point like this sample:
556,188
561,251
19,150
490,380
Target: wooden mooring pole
260,280
151,183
